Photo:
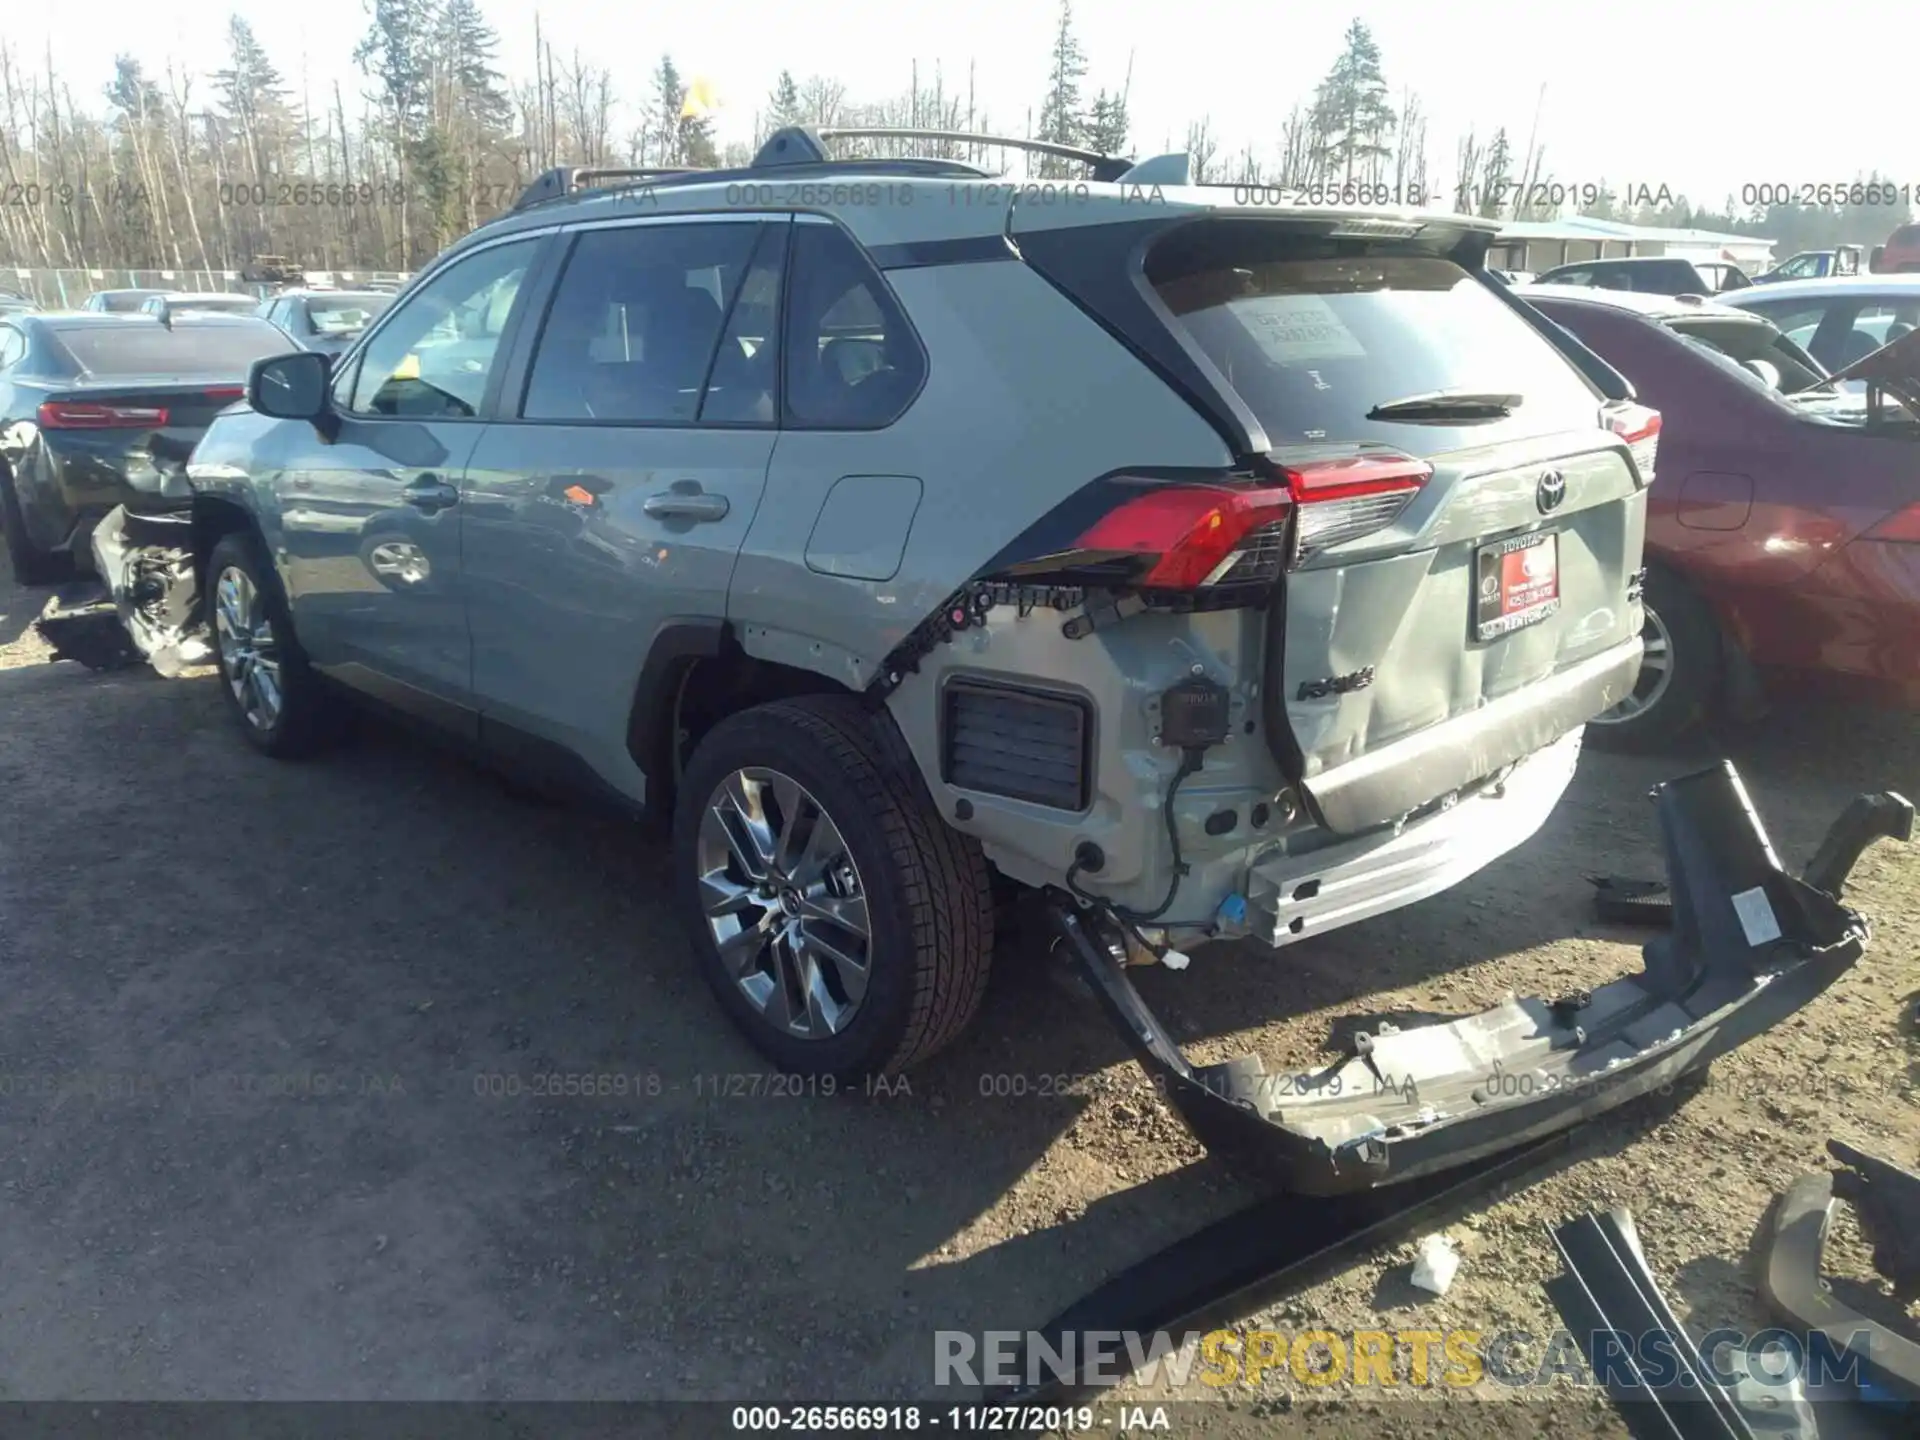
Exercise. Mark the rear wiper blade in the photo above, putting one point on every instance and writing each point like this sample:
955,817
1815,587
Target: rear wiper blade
1448,405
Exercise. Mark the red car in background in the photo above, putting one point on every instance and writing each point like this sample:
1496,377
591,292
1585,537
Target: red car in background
1900,253
1783,523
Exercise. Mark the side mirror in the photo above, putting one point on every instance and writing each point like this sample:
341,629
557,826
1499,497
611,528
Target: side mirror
290,387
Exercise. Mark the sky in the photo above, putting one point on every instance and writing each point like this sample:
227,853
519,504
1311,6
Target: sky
1634,92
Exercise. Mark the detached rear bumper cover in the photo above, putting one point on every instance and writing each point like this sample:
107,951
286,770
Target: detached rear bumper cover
1750,945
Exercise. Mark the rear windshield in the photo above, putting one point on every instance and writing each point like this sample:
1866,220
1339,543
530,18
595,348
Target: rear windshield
187,349
1312,339
226,304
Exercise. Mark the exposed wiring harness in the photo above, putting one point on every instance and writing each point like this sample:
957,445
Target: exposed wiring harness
1192,758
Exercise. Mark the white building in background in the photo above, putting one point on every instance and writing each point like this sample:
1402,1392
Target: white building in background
1536,245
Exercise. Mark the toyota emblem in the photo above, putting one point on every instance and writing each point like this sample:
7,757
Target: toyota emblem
1552,490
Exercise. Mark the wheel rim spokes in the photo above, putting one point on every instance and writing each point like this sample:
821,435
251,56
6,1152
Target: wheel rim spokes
1656,673
248,649
784,902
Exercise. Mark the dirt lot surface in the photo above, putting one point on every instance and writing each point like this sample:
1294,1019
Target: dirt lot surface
272,1039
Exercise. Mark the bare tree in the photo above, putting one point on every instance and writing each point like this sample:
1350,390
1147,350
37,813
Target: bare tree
1202,147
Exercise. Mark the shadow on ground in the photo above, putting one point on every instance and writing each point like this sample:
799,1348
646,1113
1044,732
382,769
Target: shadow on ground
366,1078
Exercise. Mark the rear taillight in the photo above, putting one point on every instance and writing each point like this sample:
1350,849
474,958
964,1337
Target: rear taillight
1343,498
1189,537
1902,525
225,394
84,415
1640,428
1226,540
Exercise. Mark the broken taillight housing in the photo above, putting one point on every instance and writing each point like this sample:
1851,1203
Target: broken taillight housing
1191,537
1640,428
1341,498
1223,540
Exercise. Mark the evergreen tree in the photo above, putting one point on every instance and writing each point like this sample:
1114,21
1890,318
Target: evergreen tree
1107,126
465,48
1352,112
684,139
132,93
783,105
1060,118
253,93
395,53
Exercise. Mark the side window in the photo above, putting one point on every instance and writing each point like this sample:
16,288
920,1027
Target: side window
852,361
1573,277
13,345
634,323
431,359
742,385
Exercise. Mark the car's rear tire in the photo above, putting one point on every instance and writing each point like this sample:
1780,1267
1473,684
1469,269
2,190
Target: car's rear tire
758,876
1679,679
283,707
31,565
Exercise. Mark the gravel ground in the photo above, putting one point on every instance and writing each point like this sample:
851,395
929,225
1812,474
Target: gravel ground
271,1039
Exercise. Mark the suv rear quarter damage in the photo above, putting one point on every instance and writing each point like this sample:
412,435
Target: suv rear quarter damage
1356,698
993,442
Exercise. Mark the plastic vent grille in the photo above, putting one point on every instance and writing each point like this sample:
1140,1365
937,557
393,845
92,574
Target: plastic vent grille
1016,743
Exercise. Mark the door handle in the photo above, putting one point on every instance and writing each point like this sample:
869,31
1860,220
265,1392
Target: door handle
685,505
430,493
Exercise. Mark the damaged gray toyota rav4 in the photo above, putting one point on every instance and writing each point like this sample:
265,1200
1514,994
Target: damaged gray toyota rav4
1211,570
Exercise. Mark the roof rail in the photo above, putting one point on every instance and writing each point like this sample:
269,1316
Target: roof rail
1104,167
565,180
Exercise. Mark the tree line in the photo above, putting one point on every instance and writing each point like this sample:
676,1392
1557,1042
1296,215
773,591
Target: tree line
178,170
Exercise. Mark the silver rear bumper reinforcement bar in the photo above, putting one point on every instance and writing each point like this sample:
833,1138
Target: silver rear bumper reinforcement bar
1750,944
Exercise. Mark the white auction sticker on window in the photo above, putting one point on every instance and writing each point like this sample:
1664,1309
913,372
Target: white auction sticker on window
1756,916
1295,329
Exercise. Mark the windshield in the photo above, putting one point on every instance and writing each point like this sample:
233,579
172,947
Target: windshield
187,349
345,314
1313,339
1752,349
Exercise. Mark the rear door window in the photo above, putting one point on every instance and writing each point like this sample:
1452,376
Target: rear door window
852,361
635,322
1313,339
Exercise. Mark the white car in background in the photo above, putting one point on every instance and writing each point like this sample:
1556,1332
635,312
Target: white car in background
1840,319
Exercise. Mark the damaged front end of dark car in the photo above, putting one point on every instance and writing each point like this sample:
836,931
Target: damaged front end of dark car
145,604
1750,944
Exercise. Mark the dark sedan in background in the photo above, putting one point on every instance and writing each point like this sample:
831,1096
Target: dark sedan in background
324,320
1783,533
97,410
1651,275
